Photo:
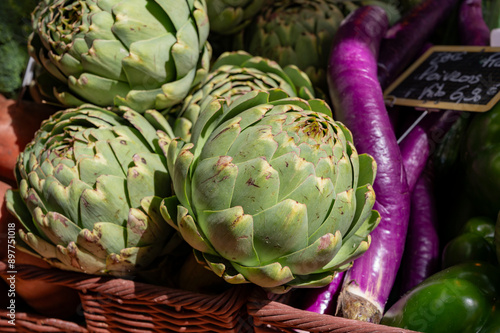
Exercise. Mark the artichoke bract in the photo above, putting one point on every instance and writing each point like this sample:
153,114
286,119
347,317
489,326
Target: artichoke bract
90,187
230,16
234,74
144,54
296,32
271,191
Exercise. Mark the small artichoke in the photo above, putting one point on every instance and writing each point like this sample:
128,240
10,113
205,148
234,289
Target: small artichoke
144,54
234,74
230,16
296,32
90,187
271,191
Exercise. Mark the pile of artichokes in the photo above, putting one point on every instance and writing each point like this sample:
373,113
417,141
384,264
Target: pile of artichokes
156,140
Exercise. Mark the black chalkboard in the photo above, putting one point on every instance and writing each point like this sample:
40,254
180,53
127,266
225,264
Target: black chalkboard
465,78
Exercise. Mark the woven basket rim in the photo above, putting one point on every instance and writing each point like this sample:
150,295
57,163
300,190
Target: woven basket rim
268,315
135,291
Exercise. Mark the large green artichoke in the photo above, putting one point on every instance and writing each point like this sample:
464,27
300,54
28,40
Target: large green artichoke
144,54
234,74
296,32
230,16
90,187
272,191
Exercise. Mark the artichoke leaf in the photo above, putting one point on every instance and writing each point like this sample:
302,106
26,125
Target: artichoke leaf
280,230
294,170
267,276
339,217
37,244
232,59
64,172
137,20
173,92
354,158
75,259
105,238
100,90
105,59
254,105
190,232
256,187
318,193
101,26
131,259
149,63
312,280
222,141
365,199
179,11
357,244
317,105
344,173
16,206
367,169
350,251
66,64
168,210
206,122
140,230
253,142
220,267
65,97
95,204
65,199
152,207
103,162
214,183
313,257
144,127
181,179
148,177
160,123
230,232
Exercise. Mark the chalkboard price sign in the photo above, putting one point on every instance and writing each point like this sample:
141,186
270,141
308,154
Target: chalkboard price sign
464,78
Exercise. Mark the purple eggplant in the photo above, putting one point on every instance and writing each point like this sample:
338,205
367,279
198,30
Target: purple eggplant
358,102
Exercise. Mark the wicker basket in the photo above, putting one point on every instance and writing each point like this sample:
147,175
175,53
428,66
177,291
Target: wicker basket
118,305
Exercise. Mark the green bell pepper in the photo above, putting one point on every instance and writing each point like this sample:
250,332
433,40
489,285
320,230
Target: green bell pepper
461,298
480,156
474,243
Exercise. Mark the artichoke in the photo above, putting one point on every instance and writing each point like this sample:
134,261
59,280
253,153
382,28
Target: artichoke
271,191
230,16
90,187
296,32
234,74
144,54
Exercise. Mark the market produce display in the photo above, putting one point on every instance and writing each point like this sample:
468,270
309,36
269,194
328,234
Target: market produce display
202,147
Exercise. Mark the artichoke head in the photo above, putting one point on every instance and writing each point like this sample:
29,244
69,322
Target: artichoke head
271,191
234,74
90,187
230,16
144,54
296,32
